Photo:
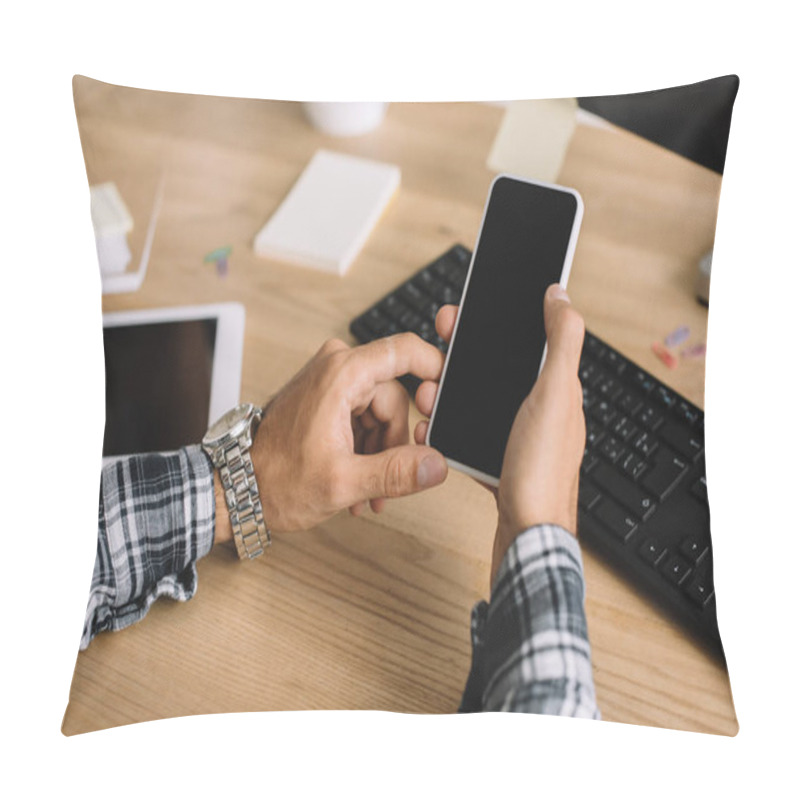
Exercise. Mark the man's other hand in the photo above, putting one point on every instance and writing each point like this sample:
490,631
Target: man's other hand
539,480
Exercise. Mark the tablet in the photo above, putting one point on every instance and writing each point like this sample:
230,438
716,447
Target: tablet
170,373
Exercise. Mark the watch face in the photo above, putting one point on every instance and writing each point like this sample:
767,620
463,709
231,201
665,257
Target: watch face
228,423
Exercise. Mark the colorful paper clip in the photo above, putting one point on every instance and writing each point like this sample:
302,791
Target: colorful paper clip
665,355
695,351
220,254
220,258
678,336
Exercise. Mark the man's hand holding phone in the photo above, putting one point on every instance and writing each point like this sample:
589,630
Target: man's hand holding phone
539,479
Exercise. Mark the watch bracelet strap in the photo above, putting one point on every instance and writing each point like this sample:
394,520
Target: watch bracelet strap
250,532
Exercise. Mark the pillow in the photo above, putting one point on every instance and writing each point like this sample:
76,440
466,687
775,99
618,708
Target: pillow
373,612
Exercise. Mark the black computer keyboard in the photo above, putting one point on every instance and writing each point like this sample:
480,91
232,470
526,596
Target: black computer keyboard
643,504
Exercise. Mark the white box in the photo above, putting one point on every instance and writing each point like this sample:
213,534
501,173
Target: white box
330,211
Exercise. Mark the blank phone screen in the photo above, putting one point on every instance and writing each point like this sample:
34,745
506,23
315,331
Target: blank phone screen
498,346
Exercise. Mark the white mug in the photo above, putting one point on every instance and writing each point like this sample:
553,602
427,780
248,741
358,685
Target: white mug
345,119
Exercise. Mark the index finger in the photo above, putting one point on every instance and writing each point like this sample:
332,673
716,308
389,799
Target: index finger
389,358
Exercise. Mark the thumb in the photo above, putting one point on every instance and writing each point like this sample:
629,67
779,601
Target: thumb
564,327
397,471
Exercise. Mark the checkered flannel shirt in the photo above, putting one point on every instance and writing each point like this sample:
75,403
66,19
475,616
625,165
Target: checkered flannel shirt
530,644
156,520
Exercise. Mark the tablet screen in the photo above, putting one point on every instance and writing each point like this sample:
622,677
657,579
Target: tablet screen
158,385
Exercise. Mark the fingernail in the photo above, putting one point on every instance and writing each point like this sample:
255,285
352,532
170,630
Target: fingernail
558,292
431,471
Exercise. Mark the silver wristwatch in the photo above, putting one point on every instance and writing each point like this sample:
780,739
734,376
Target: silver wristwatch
228,443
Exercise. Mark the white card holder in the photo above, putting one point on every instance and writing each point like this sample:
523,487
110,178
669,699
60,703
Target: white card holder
329,213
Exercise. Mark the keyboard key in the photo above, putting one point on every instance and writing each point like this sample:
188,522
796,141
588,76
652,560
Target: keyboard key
615,363
458,276
450,295
646,383
361,331
615,518
409,320
414,297
461,256
646,444
687,414
664,396
611,448
425,280
609,388
597,349
633,465
700,489
392,307
586,372
587,495
694,548
431,309
594,433
376,321
590,341
649,417
630,403
624,490
589,461
624,428
426,330
444,292
665,473
391,329
441,267
603,412
699,590
677,569
686,441
652,552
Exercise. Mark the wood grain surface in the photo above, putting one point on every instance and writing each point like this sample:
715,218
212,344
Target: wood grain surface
373,613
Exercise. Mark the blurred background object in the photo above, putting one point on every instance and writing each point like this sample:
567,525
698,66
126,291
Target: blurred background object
692,120
345,119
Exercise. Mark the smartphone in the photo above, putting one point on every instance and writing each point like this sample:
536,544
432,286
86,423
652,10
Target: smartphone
526,242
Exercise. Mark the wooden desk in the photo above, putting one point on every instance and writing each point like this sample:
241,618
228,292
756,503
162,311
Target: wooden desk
373,613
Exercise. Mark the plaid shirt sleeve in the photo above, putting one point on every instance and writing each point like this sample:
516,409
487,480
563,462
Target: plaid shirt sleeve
156,520
530,645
